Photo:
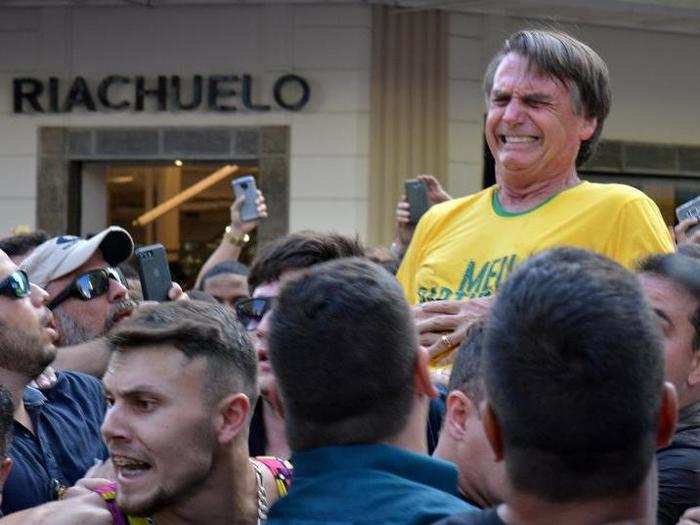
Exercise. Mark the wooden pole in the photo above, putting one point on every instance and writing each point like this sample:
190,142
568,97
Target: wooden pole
185,195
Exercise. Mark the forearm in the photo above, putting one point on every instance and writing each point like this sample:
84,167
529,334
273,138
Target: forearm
89,358
226,251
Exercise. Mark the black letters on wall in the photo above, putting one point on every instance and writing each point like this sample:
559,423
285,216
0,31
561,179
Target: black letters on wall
32,95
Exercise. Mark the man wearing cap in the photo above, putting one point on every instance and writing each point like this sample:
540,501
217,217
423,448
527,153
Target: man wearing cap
87,294
56,433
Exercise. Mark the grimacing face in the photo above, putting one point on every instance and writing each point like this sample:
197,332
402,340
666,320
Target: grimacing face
158,428
532,127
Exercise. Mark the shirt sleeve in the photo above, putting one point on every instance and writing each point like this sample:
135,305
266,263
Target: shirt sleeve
413,259
641,232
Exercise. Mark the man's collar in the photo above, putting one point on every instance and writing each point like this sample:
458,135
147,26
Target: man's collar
33,397
420,468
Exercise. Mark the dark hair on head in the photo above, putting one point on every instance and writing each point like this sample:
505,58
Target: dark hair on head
197,329
298,251
7,410
18,245
200,295
225,267
684,271
346,374
561,56
573,367
467,374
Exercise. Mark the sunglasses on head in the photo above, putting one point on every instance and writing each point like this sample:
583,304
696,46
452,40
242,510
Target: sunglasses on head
15,285
251,311
89,285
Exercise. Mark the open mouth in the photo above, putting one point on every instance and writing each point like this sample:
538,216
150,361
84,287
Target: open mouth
517,139
129,468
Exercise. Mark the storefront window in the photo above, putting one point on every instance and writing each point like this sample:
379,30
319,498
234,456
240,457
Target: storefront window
190,232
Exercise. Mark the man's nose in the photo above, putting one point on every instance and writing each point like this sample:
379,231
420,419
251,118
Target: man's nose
513,112
38,295
117,291
114,425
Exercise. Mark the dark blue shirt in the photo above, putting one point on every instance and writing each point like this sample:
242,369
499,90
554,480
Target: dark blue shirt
65,444
368,484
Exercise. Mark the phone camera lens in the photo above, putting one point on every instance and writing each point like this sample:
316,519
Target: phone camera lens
244,185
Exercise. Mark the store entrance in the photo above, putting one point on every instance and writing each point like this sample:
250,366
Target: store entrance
117,193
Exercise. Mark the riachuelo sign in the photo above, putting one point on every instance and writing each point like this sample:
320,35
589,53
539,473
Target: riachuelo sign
218,93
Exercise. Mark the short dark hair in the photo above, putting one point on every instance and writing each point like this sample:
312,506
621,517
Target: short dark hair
561,56
298,251
197,329
682,270
225,267
21,244
573,367
467,372
7,410
346,374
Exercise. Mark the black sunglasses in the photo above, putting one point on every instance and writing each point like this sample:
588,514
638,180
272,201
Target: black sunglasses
251,311
15,285
89,285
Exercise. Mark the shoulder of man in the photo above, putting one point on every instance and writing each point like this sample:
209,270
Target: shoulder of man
80,387
621,193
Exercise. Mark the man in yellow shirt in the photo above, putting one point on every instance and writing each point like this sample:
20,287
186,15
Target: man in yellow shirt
547,97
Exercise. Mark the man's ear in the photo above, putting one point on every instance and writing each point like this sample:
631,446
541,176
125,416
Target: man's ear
492,429
459,409
423,384
232,418
668,416
588,128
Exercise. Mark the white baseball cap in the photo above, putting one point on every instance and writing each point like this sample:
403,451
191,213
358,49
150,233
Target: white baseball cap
62,255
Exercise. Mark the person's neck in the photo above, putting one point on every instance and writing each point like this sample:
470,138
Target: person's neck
412,437
275,434
15,384
638,508
474,490
518,199
229,495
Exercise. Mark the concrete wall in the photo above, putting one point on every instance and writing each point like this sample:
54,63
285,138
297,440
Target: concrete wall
329,45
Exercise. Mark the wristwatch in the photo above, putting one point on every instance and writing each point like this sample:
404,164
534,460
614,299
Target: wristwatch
237,240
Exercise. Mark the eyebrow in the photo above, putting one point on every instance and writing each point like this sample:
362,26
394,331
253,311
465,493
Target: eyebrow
133,391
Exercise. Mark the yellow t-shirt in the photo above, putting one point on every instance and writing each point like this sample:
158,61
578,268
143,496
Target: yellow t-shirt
466,247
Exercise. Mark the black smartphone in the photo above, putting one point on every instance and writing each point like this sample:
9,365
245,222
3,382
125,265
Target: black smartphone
689,210
417,197
246,186
154,272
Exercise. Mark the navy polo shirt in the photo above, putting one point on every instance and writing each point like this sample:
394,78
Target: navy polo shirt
65,444
368,484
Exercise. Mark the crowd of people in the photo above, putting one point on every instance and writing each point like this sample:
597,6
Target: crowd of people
526,355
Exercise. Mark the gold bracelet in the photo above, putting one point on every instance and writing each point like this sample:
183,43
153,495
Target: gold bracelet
236,240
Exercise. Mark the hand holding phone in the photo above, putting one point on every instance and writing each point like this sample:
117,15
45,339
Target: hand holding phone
245,186
154,272
417,197
688,210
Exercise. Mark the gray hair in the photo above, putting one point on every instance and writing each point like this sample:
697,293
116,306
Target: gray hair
570,61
